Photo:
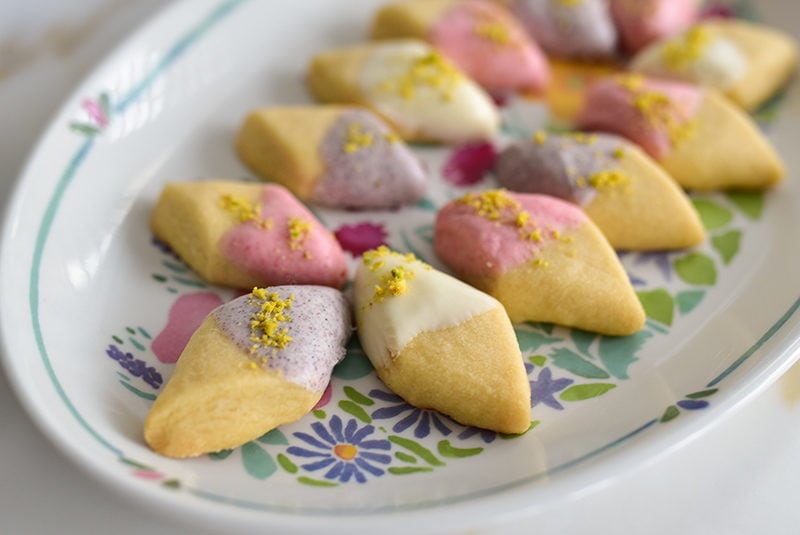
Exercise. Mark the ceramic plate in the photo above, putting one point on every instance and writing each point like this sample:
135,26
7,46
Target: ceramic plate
88,295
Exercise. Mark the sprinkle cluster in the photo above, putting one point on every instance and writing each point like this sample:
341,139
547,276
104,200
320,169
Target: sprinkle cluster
393,282
430,70
268,322
299,230
657,109
244,210
687,48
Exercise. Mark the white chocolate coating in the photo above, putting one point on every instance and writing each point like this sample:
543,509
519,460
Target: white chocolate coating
467,113
433,300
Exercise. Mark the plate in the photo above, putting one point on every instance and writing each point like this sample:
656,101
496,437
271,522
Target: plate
87,294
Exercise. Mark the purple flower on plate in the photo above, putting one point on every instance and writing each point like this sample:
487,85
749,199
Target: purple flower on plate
468,164
485,434
424,419
544,388
344,452
361,237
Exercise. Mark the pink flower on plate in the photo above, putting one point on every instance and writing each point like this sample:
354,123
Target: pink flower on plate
468,164
361,237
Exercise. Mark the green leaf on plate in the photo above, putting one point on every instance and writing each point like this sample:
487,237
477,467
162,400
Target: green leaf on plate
510,436
712,214
219,455
257,462
688,300
582,340
405,470
727,245
703,393
416,448
750,203
173,484
316,482
577,365
538,360
671,413
448,450
356,410
287,464
658,305
357,396
618,352
275,437
587,391
531,341
405,457
697,269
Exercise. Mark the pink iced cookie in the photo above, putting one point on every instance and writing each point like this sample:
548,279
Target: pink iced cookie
480,37
640,22
244,235
541,258
656,115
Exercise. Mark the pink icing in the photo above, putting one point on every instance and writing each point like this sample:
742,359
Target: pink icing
266,253
640,22
517,64
609,107
475,246
185,316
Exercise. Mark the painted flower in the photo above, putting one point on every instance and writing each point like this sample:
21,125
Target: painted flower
422,418
361,237
544,389
344,452
98,113
485,434
468,164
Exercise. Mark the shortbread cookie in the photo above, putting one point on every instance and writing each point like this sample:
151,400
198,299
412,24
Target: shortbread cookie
255,363
747,62
539,256
569,29
640,22
481,38
244,235
701,139
336,156
419,92
633,202
439,343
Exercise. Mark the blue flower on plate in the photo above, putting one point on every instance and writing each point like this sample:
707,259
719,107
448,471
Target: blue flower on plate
345,452
544,389
486,435
424,419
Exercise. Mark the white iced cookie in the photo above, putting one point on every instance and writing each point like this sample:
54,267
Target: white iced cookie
440,343
746,61
417,90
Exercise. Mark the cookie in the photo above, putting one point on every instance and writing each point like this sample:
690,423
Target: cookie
412,86
483,39
747,62
243,235
439,343
336,156
640,22
541,257
580,29
255,363
699,137
633,202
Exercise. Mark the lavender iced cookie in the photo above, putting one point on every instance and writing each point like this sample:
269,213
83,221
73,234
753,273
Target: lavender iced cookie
255,363
337,156
633,202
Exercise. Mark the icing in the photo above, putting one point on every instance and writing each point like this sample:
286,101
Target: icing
421,92
566,166
698,55
366,165
390,315
641,22
283,250
298,331
507,230
569,28
490,46
657,115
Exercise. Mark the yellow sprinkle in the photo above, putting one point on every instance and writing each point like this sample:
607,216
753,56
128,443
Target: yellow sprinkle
356,138
541,263
631,82
522,219
244,210
609,179
659,110
299,229
570,3
489,204
252,365
267,324
687,48
540,137
618,153
494,31
432,71
536,235
581,182
391,137
555,233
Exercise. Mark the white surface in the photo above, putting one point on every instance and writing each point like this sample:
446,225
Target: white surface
738,478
